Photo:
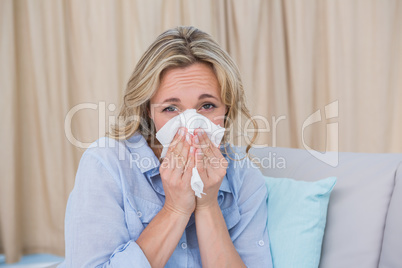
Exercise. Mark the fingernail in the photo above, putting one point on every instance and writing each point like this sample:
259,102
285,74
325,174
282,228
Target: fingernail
196,139
191,149
181,132
188,139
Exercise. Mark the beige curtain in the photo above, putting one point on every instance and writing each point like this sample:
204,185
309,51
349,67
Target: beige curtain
319,74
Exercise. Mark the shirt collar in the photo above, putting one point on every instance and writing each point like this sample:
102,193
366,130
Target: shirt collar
149,164
143,156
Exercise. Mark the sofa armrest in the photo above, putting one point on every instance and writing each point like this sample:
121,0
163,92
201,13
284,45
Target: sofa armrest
358,208
392,243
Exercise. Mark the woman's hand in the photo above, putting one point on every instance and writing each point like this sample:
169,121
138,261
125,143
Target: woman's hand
176,170
211,166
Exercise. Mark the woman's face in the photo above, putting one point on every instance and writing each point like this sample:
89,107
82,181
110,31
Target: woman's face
192,87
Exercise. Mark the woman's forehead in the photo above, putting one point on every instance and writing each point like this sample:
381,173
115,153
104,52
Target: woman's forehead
195,79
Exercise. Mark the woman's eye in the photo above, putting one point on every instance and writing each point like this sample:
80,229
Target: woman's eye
208,106
169,109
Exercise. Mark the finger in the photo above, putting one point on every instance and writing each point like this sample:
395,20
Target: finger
172,146
188,171
170,162
215,149
199,159
186,143
180,143
205,144
186,147
212,155
167,162
198,138
179,160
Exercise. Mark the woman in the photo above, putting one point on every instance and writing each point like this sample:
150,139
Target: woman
128,209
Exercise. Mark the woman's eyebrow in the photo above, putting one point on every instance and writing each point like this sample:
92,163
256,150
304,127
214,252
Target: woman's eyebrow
172,100
202,96
205,95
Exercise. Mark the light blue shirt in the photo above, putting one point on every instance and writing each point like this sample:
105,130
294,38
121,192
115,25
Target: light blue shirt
118,191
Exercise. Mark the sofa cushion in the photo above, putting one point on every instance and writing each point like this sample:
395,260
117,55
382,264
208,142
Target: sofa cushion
359,203
297,213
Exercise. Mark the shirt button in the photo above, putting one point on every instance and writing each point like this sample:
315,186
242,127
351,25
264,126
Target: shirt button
183,245
261,243
139,214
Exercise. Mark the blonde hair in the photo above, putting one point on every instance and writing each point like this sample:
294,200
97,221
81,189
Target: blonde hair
177,48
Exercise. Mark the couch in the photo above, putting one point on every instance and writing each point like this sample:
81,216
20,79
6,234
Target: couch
364,220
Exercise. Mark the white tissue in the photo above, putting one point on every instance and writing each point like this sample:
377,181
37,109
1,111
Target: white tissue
191,120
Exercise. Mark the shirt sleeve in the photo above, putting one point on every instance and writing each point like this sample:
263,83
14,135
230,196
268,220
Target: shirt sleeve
250,235
96,234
